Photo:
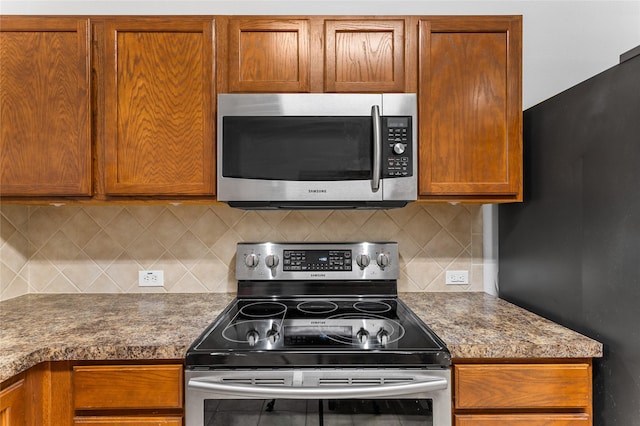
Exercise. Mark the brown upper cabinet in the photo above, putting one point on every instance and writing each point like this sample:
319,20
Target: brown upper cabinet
116,108
157,88
45,131
470,108
314,54
268,55
364,55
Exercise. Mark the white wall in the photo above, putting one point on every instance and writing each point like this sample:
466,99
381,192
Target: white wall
565,42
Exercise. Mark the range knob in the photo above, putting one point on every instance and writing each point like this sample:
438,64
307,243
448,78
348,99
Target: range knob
272,260
399,148
272,335
363,260
251,260
362,336
383,337
252,337
383,260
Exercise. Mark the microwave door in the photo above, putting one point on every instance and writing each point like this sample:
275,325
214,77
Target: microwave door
302,158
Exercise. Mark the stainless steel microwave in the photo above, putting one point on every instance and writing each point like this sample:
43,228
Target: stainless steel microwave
300,151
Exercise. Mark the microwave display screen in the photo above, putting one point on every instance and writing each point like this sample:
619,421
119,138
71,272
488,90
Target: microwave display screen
296,148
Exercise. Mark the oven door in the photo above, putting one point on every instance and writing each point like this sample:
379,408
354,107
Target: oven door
314,147
318,397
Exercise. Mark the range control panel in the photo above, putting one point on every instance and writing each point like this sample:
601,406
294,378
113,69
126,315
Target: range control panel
314,261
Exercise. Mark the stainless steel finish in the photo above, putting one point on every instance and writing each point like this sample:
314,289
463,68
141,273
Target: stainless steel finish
253,337
363,336
319,384
377,148
383,337
251,261
363,260
383,260
261,271
399,148
271,260
313,104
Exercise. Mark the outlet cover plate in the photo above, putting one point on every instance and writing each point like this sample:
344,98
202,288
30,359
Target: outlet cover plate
151,278
457,277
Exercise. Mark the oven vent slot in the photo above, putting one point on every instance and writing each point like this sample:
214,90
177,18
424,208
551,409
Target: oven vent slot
255,381
363,381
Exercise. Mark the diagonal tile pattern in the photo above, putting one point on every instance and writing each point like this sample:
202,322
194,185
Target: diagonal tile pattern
99,249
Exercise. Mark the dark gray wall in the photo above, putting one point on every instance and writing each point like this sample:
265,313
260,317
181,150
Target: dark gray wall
571,251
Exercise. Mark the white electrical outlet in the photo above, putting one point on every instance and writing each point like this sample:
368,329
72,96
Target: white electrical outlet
150,278
457,277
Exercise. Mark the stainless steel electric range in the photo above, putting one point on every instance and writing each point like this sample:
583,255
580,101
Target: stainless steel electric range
317,333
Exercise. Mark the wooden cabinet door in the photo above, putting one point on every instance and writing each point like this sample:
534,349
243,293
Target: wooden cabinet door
128,421
268,55
45,132
364,55
470,108
13,405
522,386
159,106
109,387
531,419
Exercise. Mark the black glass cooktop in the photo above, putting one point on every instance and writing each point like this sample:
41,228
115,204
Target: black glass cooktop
309,332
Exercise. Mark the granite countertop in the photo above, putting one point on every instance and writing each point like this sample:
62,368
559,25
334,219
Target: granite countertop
54,327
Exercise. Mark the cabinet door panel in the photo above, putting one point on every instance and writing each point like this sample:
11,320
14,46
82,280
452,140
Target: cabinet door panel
268,55
45,136
13,405
128,421
127,387
159,107
364,56
470,108
522,386
522,419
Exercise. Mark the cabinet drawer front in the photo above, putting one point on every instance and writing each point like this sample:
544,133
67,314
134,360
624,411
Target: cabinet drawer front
522,386
128,421
114,387
522,420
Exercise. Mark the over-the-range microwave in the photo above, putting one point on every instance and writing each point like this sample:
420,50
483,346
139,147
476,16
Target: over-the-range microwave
300,151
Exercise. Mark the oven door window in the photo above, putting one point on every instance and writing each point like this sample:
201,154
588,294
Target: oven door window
333,412
297,148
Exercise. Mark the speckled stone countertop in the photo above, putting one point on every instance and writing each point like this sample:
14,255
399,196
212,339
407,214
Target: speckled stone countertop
54,327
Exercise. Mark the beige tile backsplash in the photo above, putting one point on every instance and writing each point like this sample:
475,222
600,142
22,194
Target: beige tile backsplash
46,249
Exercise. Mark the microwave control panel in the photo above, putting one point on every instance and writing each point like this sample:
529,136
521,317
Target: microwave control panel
397,147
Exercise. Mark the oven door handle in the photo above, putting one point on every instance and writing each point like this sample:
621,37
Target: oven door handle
333,392
377,148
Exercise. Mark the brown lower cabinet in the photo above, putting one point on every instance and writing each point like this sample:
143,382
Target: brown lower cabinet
537,392
13,404
522,419
128,421
540,393
127,394
95,393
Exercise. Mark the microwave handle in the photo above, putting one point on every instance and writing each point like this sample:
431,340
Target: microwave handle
377,148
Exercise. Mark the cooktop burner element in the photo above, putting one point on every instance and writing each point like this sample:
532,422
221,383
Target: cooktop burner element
320,313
